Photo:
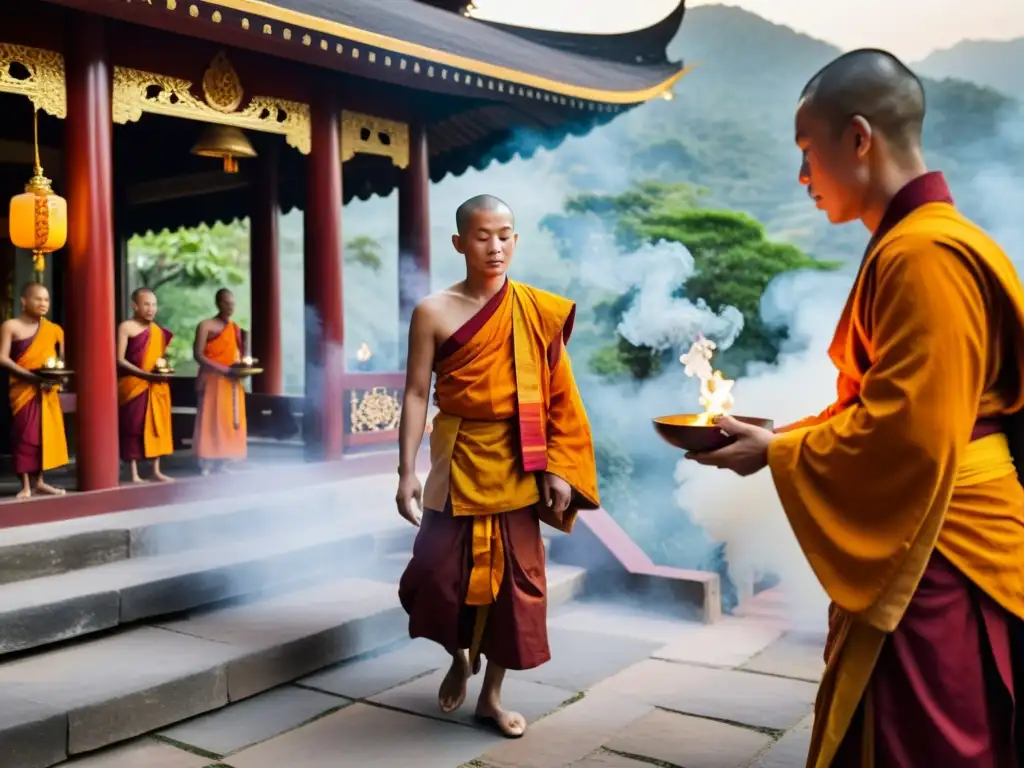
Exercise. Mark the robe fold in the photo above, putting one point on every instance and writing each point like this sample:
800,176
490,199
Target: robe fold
220,431
144,407
509,409
906,501
39,442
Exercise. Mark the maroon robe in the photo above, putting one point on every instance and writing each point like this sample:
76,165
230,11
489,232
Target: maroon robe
26,425
131,416
942,691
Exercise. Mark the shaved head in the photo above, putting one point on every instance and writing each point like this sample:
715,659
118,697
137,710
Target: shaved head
138,293
29,288
479,204
874,85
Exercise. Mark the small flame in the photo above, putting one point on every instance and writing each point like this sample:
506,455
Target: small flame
51,362
161,363
715,390
364,353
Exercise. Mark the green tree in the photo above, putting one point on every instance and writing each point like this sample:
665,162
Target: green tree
193,257
366,251
734,262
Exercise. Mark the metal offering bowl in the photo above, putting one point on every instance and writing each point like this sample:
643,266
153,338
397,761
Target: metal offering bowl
682,431
245,370
54,374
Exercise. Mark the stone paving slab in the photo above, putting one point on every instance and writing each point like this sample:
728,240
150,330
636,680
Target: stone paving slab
727,643
254,720
603,759
532,700
581,659
622,620
791,750
693,742
33,559
144,753
740,697
363,678
369,737
570,734
796,654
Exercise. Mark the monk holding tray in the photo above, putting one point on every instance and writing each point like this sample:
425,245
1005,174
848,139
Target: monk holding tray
31,349
143,391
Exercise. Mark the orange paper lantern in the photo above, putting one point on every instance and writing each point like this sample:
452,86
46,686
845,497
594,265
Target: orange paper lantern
39,217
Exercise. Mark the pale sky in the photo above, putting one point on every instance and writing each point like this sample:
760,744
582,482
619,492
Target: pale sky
909,28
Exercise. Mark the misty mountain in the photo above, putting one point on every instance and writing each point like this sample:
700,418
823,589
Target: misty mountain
996,64
730,128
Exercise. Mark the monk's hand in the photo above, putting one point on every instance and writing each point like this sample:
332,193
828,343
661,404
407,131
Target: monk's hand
557,493
747,455
410,498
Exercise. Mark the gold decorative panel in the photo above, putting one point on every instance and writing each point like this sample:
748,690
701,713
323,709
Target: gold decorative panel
369,135
136,92
43,80
374,410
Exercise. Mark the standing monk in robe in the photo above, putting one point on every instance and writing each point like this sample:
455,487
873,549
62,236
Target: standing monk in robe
902,493
38,439
144,397
510,448
220,434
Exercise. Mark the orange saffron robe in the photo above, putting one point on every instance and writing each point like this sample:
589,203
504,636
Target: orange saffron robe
931,339
145,423
39,442
509,408
220,421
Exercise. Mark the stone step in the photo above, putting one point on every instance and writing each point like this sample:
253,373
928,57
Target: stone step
68,605
47,549
99,691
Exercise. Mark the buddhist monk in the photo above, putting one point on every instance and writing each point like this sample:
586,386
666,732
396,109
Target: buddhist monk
27,342
143,394
220,434
902,493
510,447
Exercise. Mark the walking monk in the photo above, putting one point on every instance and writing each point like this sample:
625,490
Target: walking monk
220,420
38,440
144,397
903,493
510,447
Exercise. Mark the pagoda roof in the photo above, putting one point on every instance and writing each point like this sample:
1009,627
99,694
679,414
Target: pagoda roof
620,69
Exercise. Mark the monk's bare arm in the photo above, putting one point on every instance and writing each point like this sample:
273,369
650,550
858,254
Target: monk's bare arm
199,346
6,338
123,336
418,370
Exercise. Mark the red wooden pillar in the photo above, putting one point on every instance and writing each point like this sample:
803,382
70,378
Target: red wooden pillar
325,356
413,232
90,250
265,275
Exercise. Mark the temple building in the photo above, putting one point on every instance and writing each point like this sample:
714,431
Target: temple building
162,114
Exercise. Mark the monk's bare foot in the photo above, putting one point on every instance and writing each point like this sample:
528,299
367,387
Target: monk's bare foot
490,713
24,493
452,693
160,477
137,480
49,490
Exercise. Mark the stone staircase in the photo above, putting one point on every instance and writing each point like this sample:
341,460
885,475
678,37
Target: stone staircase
117,625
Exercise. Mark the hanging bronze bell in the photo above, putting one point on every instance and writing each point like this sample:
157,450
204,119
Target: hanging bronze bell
226,143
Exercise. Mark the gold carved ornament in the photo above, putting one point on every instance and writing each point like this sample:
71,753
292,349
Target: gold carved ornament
136,92
369,135
376,410
44,82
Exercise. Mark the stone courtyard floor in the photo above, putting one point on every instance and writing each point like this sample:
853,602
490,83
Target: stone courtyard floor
624,689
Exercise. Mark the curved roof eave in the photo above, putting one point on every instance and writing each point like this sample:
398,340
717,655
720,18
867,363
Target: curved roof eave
520,61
